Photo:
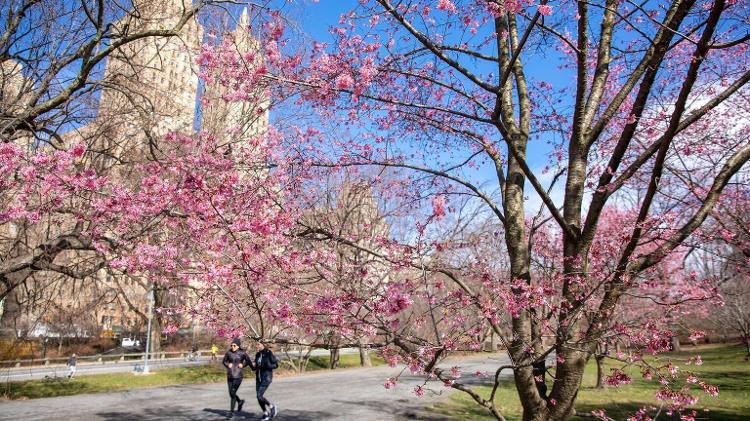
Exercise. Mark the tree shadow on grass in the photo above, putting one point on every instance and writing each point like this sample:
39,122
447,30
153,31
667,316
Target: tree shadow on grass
622,410
209,373
727,380
44,388
187,414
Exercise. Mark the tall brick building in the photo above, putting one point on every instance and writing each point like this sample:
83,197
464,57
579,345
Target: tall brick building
149,88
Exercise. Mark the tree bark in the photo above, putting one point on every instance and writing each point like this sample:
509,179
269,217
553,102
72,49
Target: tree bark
155,335
600,371
516,240
364,356
568,378
157,321
334,360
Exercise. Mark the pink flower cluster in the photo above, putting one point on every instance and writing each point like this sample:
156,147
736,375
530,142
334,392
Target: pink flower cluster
617,377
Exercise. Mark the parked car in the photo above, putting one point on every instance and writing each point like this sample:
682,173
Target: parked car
130,342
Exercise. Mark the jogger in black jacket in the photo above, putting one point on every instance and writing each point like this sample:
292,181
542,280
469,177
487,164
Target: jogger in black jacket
264,364
235,360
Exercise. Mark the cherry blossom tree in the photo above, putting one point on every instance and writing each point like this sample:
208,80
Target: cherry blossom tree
448,89
726,255
79,124
51,55
448,101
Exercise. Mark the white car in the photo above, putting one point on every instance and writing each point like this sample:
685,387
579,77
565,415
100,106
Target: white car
130,342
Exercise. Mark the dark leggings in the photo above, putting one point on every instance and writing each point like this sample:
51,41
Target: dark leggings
260,389
234,385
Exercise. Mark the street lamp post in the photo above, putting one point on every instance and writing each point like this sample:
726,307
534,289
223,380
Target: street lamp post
148,329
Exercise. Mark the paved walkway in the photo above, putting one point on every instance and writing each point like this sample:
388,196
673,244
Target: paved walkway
351,394
86,366
85,369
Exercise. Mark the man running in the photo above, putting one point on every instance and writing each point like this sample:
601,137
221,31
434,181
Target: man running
235,360
72,361
265,363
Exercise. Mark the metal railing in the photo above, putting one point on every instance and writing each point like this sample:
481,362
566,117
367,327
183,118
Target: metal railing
104,359
121,358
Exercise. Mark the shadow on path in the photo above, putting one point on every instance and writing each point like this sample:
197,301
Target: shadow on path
172,413
402,408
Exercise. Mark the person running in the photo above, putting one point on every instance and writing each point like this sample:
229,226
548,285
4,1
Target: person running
235,360
72,361
214,351
264,364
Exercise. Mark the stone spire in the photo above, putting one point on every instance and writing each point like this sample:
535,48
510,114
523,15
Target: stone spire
242,35
161,9
238,121
244,19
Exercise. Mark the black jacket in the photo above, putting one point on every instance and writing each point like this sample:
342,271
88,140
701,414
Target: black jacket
236,358
265,363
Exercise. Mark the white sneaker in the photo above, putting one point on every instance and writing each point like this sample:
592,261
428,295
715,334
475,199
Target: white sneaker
274,411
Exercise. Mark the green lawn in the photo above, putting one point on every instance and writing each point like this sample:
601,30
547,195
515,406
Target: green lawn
101,383
723,365
345,361
111,382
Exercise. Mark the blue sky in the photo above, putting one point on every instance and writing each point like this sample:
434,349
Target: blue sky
315,19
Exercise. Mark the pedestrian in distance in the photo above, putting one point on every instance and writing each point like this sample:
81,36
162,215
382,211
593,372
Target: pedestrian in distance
264,364
214,351
235,360
72,361
193,354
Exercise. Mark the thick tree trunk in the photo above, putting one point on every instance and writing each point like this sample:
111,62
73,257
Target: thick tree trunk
534,407
364,356
334,360
600,371
305,359
568,378
676,344
157,321
516,241
155,334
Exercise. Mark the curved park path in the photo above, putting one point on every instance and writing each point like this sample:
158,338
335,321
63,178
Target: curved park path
349,394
